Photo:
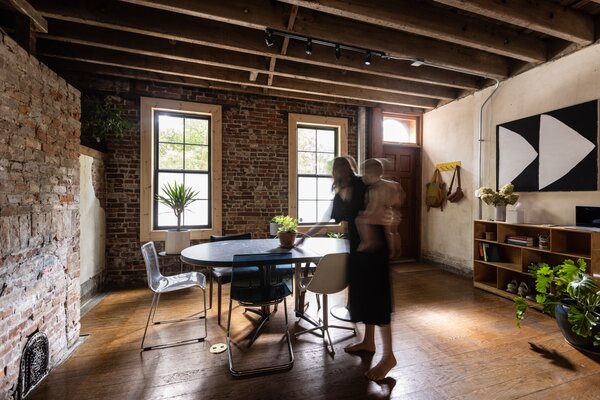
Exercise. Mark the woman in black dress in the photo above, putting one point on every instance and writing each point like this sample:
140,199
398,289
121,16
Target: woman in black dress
370,299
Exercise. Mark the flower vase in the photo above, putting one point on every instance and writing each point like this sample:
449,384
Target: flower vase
500,213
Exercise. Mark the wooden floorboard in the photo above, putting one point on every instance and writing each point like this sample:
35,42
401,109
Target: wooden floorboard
452,341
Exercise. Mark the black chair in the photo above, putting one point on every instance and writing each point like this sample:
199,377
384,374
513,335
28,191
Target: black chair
260,286
222,274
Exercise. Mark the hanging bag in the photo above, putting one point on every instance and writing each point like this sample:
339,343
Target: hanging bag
454,197
435,192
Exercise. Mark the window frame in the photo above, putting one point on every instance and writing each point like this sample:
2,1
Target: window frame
148,107
294,122
414,121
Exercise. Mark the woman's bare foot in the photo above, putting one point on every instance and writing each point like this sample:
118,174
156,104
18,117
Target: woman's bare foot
359,347
380,371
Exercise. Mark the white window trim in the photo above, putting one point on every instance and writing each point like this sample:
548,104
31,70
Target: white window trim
301,119
147,107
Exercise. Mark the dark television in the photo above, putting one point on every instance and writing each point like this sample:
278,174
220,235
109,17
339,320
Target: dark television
587,216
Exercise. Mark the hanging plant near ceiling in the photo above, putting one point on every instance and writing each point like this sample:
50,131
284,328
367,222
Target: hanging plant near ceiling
101,119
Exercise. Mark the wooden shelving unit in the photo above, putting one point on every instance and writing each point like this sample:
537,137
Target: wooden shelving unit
514,260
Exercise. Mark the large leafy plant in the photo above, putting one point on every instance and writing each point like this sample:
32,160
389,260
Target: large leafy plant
177,197
568,284
285,223
101,118
500,198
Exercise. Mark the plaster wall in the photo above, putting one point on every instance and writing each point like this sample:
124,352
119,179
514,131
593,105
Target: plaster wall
451,133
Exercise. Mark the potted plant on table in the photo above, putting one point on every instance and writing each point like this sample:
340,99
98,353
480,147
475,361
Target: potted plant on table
499,199
287,228
571,296
177,197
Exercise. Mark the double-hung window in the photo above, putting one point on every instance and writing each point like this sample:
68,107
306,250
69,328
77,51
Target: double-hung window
181,143
314,144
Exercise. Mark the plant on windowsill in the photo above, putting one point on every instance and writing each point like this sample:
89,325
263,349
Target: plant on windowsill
177,197
571,296
287,228
336,235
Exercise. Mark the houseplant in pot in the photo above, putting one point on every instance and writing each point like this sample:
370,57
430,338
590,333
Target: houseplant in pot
287,230
499,199
571,296
177,197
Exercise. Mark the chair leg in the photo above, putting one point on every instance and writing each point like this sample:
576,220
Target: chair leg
219,301
148,320
210,295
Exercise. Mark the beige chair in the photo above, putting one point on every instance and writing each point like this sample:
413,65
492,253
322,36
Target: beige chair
331,276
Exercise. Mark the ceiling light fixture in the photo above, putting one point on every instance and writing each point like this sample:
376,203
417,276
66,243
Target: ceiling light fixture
368,59
269,39
338,52
417,62
309,46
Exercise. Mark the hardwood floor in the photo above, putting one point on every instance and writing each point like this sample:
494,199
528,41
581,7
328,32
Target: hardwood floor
452,341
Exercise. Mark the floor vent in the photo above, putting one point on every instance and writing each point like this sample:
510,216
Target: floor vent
34,363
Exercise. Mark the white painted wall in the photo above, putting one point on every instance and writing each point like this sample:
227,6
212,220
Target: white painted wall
450,133
92,224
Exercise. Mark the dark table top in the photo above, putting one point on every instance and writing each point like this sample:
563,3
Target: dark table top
220,254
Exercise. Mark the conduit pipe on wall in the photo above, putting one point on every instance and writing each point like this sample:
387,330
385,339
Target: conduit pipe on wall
480,140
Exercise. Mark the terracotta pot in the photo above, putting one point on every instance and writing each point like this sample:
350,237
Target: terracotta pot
287,239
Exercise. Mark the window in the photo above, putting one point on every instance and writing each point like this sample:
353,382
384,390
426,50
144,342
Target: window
398,129
180,142
314,143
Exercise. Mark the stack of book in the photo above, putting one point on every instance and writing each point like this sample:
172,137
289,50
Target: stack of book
488,252
528,241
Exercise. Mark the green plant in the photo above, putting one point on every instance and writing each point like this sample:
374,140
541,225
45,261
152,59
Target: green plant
177,198
100,118
500,198
336,235
573,287
285,223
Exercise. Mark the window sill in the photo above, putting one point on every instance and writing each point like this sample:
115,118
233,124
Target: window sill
196,234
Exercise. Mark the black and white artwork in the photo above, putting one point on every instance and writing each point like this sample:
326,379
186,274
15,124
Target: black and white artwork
552,152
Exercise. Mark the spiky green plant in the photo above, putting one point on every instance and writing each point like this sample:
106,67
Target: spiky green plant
177,197
572,286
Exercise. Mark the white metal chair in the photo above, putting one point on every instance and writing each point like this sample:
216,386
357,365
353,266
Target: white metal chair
331,276
159,284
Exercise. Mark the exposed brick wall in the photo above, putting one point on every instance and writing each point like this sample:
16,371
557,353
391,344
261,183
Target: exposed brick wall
255,163
39,210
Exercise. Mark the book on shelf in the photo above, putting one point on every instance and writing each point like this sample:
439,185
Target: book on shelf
527,241
489,252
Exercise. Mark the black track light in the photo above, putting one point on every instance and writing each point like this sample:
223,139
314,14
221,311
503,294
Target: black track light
368,59
269,39
309,46
338,51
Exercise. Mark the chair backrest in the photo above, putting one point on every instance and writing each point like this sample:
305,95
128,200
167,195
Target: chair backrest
152,265
331,275
241,236
261,284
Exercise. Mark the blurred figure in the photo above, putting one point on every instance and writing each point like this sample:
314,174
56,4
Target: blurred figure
383,201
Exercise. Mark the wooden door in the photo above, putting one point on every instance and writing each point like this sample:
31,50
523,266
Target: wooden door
403,167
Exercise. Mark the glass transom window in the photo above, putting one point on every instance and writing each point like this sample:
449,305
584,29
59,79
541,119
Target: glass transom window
317,148
399,130
182,155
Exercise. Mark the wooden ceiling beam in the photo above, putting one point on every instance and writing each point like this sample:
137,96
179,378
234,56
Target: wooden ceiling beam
23,7
255,13
185,69
541,15
138,44
424,19
125,41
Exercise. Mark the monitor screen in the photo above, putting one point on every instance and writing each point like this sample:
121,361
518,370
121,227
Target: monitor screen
587,216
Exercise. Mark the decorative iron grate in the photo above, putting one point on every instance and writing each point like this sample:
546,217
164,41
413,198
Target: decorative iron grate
34,363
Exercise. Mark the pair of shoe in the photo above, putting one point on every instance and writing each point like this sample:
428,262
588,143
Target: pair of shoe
514,287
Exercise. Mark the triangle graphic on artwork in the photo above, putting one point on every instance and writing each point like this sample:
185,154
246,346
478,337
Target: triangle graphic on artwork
561,149
515,155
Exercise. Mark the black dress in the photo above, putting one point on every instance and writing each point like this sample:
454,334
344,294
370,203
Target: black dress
370,297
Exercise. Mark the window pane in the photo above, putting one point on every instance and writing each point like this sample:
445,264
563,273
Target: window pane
323,211
307,211
395,130
307,163
199,183
307,188
307,140
170,156
166,217
196,158
196,213
326,141
324,191
170,129
324,163
196,131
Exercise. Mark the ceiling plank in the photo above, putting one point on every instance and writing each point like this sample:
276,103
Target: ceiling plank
253,13
284,46
154,64
138,44
427,20
119,40
23,7
541,15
